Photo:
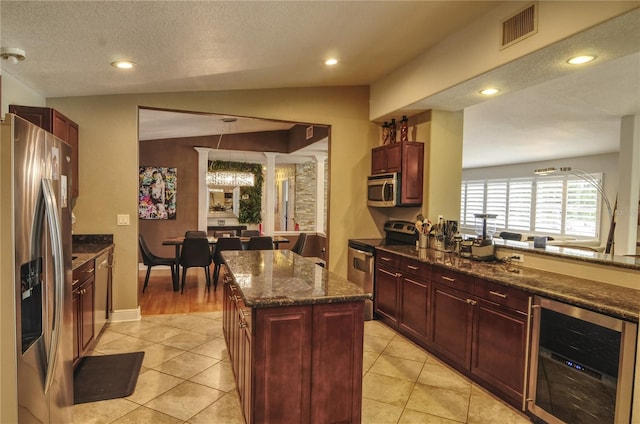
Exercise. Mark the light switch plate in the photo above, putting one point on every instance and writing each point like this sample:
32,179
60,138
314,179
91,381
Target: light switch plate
123,219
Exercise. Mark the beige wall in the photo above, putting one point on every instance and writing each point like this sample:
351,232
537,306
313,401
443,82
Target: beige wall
109,160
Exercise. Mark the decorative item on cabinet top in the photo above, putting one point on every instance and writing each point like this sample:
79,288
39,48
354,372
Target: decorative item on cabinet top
390,134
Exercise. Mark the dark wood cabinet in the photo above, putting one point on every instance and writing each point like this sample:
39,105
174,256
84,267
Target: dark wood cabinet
60,126
414,298
407,159
83,302
300,363
387,294
451,324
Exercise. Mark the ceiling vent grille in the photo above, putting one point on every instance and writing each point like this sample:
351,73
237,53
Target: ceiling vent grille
519,26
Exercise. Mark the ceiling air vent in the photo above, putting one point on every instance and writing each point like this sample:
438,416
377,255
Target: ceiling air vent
519,26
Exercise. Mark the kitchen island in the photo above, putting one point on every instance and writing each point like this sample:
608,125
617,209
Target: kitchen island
294,333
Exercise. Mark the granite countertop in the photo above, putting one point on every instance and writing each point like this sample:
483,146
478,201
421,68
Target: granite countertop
620,302
86,247
267,278
560,251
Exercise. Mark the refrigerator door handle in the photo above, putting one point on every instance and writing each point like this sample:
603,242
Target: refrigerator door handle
53,219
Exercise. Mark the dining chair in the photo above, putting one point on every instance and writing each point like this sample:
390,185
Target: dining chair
249,233
150,260
194,233
195,253
260,243
223,243
299,246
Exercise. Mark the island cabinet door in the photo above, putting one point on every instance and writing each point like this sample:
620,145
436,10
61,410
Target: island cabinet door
282,364
336,376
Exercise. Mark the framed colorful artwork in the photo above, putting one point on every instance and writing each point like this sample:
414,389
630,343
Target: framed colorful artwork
157,192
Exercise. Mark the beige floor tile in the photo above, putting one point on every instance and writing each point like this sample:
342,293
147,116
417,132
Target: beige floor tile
144,415
158,353
193,323
378,329
439,375
159,333
152,384
225,410
186,365
410,416
215,348
132,327
108,336
102,412
219,376
484,408
386,389
185,400
368,358
374,412
445,403
123,345
402,348
404,369
375,344
186,340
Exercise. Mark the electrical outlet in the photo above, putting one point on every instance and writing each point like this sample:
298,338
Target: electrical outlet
123,219
517,258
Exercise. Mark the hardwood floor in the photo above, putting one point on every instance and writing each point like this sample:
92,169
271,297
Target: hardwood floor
159,297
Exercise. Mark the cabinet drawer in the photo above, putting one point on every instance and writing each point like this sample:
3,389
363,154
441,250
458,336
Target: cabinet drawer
502,295
387,259
83,272
453,279
415,267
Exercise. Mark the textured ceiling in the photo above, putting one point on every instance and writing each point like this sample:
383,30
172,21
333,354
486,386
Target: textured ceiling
543,112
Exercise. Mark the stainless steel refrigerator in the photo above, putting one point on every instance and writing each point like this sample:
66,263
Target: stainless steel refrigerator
35,292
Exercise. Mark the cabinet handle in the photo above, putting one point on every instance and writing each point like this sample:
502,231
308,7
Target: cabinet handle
412,267
471,302
504,296
75,281
384,258
90,270
393,274
444,277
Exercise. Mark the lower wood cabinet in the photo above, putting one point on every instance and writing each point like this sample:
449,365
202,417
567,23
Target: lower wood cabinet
295,364
477,326
83,304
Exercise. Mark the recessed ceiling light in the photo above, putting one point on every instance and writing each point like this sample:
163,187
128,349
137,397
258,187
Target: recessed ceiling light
579,60
489,91
331,62
123,64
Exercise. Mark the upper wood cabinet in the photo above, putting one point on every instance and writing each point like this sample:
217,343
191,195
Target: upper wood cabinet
407,159
60,126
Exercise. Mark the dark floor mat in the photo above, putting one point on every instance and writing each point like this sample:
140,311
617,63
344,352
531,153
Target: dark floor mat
106,377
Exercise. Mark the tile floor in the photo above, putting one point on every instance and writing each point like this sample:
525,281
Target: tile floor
186,378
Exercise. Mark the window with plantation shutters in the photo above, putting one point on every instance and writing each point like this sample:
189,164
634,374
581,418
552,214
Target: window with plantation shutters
549,203
556,205
497,201
519,207
474,202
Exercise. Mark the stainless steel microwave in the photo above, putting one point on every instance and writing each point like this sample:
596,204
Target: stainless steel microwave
383,190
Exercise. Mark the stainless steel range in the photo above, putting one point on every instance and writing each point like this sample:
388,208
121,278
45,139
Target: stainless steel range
361,256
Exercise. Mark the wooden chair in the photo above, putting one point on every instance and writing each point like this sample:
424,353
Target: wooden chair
223,243
260,243
151,260
195,253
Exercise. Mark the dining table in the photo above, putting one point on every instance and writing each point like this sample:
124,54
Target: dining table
178,241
